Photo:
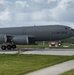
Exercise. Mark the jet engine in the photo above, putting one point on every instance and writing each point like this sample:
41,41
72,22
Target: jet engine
23,40
3,38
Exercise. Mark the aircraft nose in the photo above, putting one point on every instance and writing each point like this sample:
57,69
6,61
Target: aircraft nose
72,32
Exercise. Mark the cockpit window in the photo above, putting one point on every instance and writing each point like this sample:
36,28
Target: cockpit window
71,29
66,28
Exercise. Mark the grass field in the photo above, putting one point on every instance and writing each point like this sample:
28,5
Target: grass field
32,46
69,73
20,65
70,46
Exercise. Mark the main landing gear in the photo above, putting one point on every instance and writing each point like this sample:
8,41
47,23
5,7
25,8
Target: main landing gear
8,46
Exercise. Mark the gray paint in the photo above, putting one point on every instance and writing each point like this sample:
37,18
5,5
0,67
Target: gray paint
41,33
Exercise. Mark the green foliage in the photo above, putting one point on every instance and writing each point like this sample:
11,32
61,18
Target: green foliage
69,73
32,46
69,40
20,65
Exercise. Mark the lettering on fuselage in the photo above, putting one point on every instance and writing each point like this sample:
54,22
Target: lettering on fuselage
59,32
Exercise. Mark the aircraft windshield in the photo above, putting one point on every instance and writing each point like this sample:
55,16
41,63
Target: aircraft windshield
71,29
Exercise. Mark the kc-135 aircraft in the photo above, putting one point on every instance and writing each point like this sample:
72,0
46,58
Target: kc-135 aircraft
10,37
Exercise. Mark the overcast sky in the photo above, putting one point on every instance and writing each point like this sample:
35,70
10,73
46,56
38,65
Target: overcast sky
36,12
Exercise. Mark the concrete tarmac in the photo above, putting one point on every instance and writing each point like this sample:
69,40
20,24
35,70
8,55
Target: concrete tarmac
64,52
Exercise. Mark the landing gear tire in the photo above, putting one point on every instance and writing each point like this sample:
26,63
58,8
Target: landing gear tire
13,46
3,47
9,47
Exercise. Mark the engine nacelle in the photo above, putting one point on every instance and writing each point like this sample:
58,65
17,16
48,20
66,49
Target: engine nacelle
3,38
23,40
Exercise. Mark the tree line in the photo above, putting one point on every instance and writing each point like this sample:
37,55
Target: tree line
69,40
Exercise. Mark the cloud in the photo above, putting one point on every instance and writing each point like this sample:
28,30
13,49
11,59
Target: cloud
38,1
4,15
2,7
34,5
21,12
43,15
64,11
23,17
21,4
2,1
